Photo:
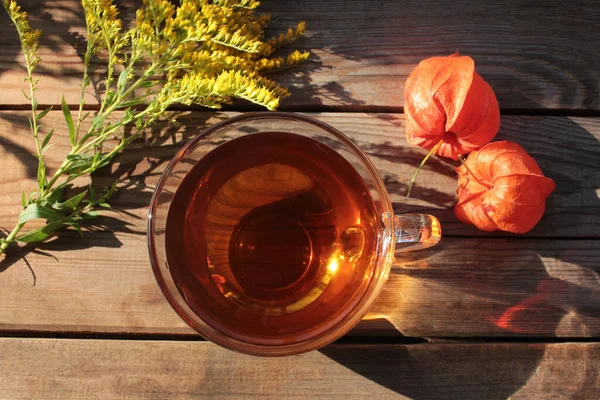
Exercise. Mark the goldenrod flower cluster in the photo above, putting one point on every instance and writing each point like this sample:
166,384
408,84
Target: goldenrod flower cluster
29,37
204,52
199,44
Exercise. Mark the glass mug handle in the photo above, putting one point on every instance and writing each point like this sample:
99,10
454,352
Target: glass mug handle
416,231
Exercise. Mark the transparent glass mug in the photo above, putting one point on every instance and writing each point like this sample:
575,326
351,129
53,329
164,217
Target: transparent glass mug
392,234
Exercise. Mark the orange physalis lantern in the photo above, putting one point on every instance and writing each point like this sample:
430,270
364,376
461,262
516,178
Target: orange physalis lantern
449,106
500,186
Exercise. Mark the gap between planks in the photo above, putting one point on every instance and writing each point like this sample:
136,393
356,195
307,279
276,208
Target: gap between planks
348,339
539,112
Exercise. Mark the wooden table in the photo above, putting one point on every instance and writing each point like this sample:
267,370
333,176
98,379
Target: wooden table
481,316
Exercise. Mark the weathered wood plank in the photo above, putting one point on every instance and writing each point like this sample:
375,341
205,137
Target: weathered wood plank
103,283
364,50
475,287
101,369
567,149
467,288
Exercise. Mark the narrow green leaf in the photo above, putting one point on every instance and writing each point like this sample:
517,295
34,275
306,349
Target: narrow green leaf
25,94
92,192
76,226
148,84
31,197
71,203
56,195
104,161
130,103
69,120
41,173
23,199
40,234
110,96
105,205
90,215
45,149
97,121
73,157
122,81
43,113
37,210
47,138
78,163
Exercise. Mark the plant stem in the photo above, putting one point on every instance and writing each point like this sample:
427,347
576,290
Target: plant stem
29,66
10,238
84,85
102,137
46,192
414,178
34,120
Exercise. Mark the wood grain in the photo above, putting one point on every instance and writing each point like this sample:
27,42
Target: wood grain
364,50
462,288
567,149
487,286
103,369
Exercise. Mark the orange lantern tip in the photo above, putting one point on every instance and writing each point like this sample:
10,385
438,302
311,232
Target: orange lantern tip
445,99
501,187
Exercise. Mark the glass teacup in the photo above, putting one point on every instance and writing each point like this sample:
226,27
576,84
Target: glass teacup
272,233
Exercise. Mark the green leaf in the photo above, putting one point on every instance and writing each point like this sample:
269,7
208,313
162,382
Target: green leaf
70,204
41,174
43,113
148,84
37,210
122,81
110,96
105,205
97,121
92,193
104,161
56,195
47,138
40,234
79,163
130,103
31,196
69,120
90,215
76,226
23,199
45,149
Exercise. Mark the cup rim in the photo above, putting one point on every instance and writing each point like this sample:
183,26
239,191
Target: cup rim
335,332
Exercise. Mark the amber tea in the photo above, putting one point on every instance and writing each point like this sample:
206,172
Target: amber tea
270,238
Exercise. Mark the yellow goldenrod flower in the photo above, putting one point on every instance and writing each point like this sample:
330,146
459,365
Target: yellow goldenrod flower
204,52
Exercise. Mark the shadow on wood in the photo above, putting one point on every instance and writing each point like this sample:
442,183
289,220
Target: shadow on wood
500,287
473,371
56,33
465,372
370,47
139,167
100,232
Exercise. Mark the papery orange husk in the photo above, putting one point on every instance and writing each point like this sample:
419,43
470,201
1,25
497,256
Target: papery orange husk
501,187
445,99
